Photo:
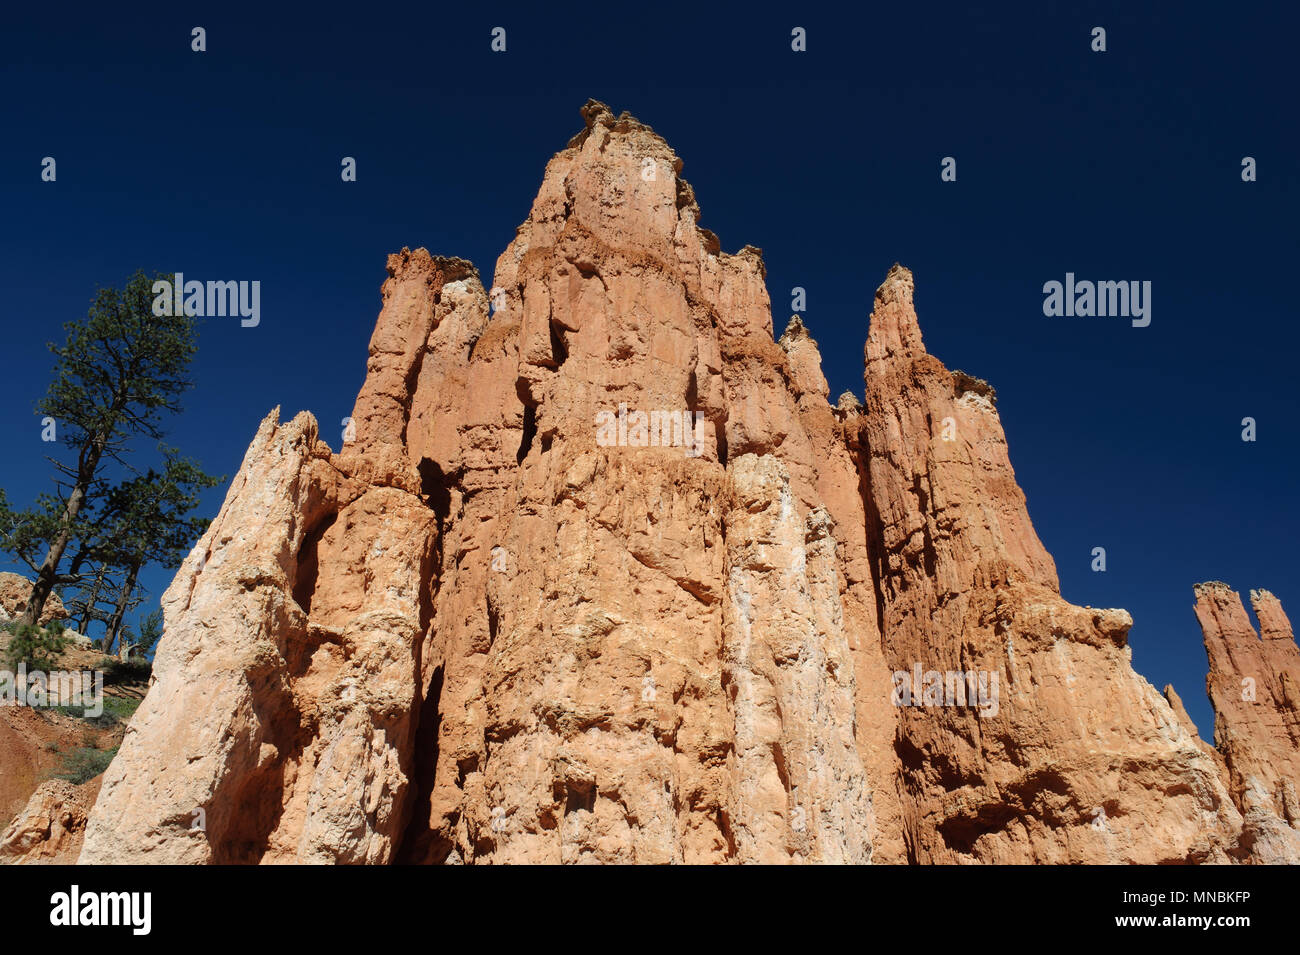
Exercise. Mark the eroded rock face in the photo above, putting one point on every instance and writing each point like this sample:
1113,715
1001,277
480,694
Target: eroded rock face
1254,685
280,726
50,828
599,575
585,666
1080,760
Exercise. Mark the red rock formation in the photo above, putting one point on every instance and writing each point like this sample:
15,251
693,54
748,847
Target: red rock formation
519,618
1081,760
1254,685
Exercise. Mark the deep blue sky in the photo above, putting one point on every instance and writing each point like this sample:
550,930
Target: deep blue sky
1122,165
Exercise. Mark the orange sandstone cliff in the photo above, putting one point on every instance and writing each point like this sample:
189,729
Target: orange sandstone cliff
529,614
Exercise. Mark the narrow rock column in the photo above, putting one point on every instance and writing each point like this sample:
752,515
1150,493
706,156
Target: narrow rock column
1254,685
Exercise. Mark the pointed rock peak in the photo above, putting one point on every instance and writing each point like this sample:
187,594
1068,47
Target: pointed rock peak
595,113
1273,621
795,331
754,254
805,359
1222,614
269,425
1176,704
1217,598
894,329
898,286
849,403
618,177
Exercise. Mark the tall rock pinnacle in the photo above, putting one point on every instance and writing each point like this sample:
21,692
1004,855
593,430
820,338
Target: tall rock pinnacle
599,575
1254,684
1078,760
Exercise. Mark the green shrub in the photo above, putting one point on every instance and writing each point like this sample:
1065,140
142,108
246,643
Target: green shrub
116,709
85,763
119,708
111,715
38,648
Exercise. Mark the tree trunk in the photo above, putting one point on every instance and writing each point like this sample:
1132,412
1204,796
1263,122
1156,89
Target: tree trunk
89,464
44,584
88,614
119,612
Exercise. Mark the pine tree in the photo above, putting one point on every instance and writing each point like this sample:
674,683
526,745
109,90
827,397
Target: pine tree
151,630
156,527
121,369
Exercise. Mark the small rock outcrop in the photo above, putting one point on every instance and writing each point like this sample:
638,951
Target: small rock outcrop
50,828
14,591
